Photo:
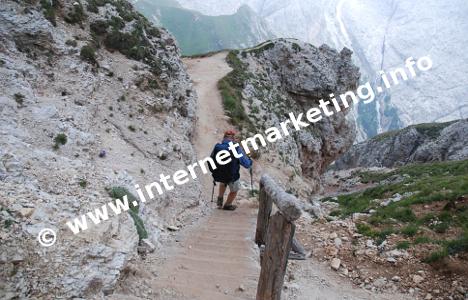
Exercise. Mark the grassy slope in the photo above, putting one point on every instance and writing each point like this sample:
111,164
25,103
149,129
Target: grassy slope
425,184
432,130
197,33
231,88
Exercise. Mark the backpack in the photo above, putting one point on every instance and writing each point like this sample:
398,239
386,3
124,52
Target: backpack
223,173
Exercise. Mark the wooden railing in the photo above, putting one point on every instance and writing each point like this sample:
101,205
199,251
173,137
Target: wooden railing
276,234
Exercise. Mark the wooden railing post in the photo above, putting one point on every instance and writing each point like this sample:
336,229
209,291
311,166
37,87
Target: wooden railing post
275,258
264,211
276,233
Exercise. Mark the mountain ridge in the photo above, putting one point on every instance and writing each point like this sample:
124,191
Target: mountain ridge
198,33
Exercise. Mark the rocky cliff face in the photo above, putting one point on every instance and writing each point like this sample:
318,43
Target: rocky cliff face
284,76
417,143
79,79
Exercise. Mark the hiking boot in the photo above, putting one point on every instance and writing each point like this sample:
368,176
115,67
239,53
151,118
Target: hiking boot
229,207
219,202
296,256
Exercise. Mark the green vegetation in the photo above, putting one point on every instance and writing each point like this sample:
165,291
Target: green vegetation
296,47
422,240
136,44
50,10
83,183
450,247
76,15
119,193
257,50
253,193
71,43
124,8
19,98
403,245
131,128
379,235
430,130
231,88
410,230
7,223
421,186
88,53
60,140
197,33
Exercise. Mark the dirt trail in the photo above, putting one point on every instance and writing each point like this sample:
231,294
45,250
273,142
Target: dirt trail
217,259
205,73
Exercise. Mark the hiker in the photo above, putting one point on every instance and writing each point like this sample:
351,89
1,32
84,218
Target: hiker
228,175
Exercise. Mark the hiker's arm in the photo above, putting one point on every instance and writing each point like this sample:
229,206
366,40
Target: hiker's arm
245,161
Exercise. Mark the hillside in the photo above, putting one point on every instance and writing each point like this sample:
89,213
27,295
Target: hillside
414,144
284,76
94,100
197,33
404,229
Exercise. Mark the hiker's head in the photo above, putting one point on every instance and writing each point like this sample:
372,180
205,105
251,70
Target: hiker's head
230,135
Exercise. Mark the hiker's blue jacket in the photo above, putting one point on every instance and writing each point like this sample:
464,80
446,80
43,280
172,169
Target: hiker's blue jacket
234,166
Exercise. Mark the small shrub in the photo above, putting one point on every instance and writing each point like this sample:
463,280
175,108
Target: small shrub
410,230
422,240
436,256
116,23
93,6
88,53
382,235
365,229
139,225
119,193
77,14
19,98
71,43
441,227
458,245
131,128
50,10
7,224
253,193
83,183
403,245
99,27
452,247
296,47
60,140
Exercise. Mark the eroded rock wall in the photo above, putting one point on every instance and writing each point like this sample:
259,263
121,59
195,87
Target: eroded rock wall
132,98
285,76
414,144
